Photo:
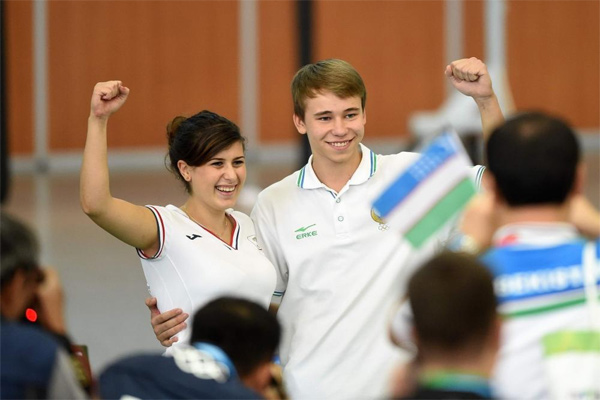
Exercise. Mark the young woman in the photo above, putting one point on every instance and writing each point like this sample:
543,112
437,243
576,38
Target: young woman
200,250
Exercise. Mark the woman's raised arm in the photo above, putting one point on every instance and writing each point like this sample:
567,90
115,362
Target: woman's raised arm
133,224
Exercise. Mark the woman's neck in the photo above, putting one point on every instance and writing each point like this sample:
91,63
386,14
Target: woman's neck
216,222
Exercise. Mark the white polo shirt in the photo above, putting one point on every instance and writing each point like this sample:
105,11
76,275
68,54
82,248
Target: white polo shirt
193,266
341,271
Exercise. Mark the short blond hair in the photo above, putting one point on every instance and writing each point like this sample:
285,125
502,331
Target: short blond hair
333,75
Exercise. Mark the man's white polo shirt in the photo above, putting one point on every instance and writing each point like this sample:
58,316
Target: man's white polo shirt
340,271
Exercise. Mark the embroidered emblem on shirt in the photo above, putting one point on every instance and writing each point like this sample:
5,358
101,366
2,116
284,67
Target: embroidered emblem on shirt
303,234
382,225
192,237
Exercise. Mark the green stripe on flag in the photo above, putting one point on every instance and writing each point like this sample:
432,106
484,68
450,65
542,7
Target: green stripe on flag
571,341
441,212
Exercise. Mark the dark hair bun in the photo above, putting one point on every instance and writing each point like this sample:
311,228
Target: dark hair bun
172,128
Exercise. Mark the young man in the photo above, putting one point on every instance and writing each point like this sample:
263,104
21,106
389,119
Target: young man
233,342
537,254
456,328
340,269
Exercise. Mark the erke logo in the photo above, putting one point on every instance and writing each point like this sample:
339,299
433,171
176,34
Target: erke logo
302,234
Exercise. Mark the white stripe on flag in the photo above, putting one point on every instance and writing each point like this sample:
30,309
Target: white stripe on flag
421,199
428,193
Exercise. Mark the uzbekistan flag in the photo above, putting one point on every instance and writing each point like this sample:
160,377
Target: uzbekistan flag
431,191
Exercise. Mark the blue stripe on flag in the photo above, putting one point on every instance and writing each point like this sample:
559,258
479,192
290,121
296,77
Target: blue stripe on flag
440,150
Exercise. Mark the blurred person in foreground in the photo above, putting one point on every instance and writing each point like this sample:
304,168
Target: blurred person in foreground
456,328
34,360
232,344
545,270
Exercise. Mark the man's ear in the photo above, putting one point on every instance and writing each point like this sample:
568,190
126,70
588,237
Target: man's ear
495,338
490,185
488,182
497,332
12,291
299,123
415,336
579,183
